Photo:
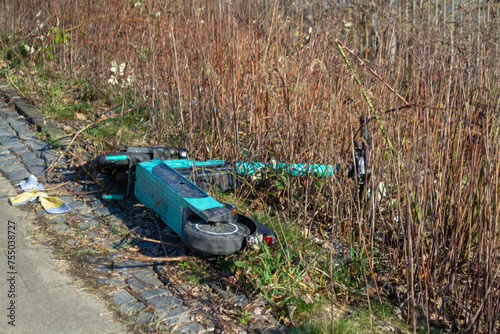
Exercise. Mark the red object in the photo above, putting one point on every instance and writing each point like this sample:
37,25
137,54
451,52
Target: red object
268,239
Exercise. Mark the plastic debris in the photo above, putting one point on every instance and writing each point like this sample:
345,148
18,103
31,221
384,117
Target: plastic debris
31,183
32,191
51,204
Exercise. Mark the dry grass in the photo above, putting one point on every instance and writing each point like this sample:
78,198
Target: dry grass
267,77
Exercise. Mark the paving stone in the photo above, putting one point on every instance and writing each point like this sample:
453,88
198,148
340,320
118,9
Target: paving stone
4,125
96,204
174,316
44,180
13,167
92,234
38,171
57,219
87,223
90,197
66,198
36,144
52,152
8,162
6,130
38,149
22,131
164,303
79,207
129,265
18,148
123,297
105,211
191,328
11,160
49,155
34,162
108,281
102,268
11,119
144,282
9,140
137,285
26,135
150,294
144,319
150,280
7,150
18,175
61,227
20,126
27,155
60,161
132,308
140,273
15,182
5,112
16,121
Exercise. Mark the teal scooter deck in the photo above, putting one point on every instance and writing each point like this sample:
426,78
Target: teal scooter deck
202,222
160,187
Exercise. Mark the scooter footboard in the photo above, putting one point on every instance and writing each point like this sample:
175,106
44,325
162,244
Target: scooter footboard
202,222
169,193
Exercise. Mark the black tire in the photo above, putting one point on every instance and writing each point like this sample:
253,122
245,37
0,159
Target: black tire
103,165
163,153
228,238
139,149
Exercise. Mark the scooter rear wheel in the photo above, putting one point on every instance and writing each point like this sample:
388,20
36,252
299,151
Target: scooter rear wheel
106,166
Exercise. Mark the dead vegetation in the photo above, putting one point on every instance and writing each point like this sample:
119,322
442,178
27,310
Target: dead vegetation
258,80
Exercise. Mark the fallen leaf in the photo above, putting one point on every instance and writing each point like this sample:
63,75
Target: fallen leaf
80,117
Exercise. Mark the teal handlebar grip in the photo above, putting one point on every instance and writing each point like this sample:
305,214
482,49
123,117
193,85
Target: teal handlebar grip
116,157
115,197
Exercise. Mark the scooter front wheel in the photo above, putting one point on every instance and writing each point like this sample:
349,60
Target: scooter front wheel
215,239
